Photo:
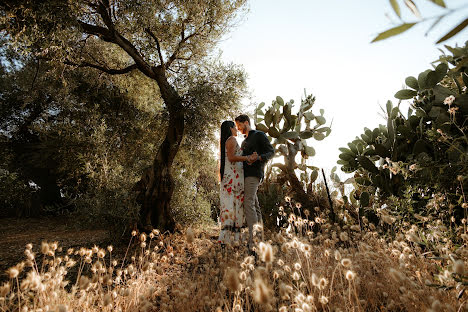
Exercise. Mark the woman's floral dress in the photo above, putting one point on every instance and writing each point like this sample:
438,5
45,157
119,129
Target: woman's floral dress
232,200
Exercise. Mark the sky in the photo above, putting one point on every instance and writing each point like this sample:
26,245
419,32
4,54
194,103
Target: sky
324,47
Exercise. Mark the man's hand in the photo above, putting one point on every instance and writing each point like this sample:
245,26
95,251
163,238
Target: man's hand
252,158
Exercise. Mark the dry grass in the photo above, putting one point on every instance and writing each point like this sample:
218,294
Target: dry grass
335,269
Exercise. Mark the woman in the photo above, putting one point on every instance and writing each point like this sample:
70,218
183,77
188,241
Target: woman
232,185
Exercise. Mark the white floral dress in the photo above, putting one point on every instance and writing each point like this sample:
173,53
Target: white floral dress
232,200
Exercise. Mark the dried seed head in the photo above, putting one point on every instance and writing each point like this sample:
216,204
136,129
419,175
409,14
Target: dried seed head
261,291
13,272
4,290
84,282
459,267
44,248
323,300
107,300
346,262
190,236
232,280
350,275
297,266
323,282
337,255
62,308
295,276
266,252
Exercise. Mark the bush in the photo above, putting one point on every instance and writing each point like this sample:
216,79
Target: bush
422,155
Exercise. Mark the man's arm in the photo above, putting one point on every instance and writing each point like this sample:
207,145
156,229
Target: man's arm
267,150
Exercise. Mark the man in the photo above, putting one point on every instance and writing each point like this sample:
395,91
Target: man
257,145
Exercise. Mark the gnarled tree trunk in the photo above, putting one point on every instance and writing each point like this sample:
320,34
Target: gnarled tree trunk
157,183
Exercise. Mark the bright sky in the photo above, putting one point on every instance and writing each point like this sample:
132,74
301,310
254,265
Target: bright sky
324,47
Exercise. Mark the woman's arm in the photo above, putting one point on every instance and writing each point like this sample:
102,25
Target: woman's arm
231,151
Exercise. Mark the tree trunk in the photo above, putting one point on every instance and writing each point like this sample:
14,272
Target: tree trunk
157,184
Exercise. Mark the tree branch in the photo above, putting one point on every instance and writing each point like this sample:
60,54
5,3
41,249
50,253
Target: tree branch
104,10
104,69
114,37
280,166
184,39
103,33
149,32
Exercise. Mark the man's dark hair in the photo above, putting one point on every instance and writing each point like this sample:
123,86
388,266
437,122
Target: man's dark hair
242,118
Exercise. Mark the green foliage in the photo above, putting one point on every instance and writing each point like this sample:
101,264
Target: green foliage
271,194
414,10
196,195
92,136
424,150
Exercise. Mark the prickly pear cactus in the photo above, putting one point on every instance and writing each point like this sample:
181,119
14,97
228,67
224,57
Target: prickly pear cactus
290,133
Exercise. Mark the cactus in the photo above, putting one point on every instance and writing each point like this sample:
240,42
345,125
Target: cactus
289,134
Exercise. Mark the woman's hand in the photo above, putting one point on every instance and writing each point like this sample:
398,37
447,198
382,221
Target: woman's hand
252,158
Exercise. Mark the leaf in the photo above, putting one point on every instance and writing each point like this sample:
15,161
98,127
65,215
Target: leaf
323,129
342,162
273,132
279,100
405,94
396,7
439,3
441,71
412,82
393,31
259,112
389,107
367,164
307,134
261,127
419,147
345,157
364,199
313,176
309,150
309,115
431,79
290,135
319,136
422,77
268,118
322,111
346,151
412,6
353,148
261,105
381,150
320,120
363,181
395,112
465,79
366,139
454,31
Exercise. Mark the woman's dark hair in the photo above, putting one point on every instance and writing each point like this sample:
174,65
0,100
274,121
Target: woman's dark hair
225,134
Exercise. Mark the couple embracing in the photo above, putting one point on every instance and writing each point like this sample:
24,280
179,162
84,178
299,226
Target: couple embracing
241,171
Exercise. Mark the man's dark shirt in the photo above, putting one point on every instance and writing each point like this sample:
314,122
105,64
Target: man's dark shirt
256,141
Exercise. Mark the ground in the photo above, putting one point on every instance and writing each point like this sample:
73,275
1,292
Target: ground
16,233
